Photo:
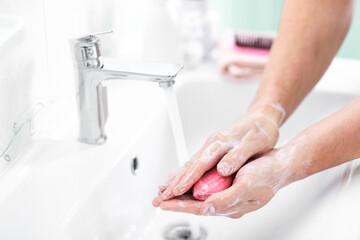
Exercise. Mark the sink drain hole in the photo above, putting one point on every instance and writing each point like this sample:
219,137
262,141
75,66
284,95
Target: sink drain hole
134,165
183,232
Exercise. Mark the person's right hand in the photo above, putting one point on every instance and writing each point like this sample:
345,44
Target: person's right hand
229,148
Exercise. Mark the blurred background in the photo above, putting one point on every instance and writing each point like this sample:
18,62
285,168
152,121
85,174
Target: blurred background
37,72
265,15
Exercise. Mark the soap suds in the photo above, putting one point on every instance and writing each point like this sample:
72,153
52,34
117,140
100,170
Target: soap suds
227,214
261,129
278,107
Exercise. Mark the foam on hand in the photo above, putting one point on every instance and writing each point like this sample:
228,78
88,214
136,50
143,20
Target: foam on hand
211,182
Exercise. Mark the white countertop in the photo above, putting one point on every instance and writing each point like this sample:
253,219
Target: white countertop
342,76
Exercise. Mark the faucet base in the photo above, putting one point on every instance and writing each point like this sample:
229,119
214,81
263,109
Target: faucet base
98,141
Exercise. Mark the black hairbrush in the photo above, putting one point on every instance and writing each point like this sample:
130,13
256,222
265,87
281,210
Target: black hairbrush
253,40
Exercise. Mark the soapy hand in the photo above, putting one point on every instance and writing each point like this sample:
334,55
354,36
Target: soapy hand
229,148
254,186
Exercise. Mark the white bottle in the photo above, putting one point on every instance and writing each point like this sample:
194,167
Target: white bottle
191,33
162,35
210,23
197,31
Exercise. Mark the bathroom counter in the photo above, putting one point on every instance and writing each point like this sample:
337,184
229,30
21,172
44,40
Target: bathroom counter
343,76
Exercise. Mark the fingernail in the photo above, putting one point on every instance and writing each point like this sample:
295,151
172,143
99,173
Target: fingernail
178,190
167,195
164,197
209,210
225,168
156,202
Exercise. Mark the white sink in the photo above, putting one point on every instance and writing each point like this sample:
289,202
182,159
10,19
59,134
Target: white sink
120,206
12,32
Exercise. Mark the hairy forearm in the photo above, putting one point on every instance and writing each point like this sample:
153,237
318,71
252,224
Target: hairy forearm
330,142
310,33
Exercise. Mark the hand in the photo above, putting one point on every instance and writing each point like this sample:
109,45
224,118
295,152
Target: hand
254,186
230,148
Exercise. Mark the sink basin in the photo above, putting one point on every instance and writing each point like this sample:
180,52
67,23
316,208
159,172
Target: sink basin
121,204
119,207
12,32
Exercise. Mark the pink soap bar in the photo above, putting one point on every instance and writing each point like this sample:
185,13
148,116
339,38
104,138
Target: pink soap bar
211,182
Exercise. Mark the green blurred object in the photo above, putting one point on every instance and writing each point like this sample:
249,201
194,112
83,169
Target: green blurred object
264,15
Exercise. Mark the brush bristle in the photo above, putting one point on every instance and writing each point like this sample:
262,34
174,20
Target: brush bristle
253,41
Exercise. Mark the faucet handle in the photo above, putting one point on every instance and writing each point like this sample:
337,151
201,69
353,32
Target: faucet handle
102,33
88,37
86,50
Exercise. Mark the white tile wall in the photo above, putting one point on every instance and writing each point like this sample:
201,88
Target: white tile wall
22,75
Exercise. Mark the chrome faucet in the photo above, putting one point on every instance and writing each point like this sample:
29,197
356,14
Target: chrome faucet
92,70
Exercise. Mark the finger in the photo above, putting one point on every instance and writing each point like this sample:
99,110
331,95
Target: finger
236,158
168,194
165,184
187,205
203,162
223,200
156,202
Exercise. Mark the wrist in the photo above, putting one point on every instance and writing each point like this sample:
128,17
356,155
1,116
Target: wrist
270,110
298,157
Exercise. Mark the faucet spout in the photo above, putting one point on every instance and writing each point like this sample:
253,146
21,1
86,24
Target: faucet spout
91,72
162,73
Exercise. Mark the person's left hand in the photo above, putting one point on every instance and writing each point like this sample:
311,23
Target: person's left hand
254,186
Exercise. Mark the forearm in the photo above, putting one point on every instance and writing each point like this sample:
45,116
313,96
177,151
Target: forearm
330,142
310,33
